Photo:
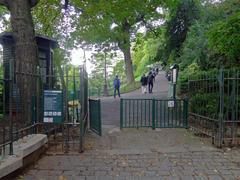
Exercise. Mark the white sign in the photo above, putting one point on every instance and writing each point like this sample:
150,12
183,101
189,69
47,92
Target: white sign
174,75
48,119
170,104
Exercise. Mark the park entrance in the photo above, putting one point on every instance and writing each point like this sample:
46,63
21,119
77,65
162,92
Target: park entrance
153,113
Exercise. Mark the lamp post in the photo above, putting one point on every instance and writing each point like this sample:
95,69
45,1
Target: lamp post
105,87
174,68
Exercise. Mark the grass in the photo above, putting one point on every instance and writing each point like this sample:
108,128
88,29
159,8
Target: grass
125,88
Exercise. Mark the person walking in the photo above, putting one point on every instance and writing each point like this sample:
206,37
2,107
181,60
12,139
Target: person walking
144,81
116,85
154,74
150,82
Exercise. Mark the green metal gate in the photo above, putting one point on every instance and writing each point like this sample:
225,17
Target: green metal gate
95,116
154,113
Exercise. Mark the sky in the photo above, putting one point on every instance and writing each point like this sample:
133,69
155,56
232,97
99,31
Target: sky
77,56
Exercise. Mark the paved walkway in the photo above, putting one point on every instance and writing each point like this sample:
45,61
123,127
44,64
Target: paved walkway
111,106
140,154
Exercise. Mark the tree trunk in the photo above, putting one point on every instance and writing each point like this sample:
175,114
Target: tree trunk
128,65
125,46
25,54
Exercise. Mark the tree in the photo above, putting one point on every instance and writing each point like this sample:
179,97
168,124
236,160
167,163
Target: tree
25,49
146,51
115,22
180,21
119,69
224,39
102,61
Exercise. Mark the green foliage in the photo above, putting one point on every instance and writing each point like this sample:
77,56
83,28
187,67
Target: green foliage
107,21
224,39
181,18
97,18
195,48
97,78
4,22
182,85
145,53
119,69
130,87
205,104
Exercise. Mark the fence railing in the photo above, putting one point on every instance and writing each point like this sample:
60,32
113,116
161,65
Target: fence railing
15,122
153,113
214,100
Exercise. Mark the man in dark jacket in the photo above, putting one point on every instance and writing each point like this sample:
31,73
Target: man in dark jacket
116,85
144,81
150,82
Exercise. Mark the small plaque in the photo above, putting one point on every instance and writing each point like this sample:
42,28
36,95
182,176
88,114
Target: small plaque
170,104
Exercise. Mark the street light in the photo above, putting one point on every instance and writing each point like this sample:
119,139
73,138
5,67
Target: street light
174,72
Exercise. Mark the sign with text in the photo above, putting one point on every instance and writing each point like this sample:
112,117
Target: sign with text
170,104
53,106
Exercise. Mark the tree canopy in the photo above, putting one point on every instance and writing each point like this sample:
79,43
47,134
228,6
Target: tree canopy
203,34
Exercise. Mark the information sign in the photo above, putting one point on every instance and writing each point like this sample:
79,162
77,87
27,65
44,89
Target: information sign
53,106
170,104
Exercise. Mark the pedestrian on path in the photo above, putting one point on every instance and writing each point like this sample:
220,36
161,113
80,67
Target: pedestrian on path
154,74
150,82
144,81
116,85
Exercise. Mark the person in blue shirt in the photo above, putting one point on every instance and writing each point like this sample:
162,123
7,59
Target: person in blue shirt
116,84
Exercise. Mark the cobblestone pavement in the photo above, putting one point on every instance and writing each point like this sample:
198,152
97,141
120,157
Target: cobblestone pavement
99,165
141,154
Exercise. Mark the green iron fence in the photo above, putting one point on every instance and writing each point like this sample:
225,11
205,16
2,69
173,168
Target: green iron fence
153,113
95,116
214,100
67,135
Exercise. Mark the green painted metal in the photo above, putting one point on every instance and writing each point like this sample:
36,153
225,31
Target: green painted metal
221,107
214,110
95,116
185,112
121,113
84,106
153,113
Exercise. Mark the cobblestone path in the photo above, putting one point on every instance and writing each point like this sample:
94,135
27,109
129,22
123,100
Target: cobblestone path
141,155
152,166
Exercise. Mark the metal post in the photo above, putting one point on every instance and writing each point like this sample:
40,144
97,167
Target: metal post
82,109
99,116
174,90
153,113
11,118
233,106
221,108
185,111
121,113
33,104
67,95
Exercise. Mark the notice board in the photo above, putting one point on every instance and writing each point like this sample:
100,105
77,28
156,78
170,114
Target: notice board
53,106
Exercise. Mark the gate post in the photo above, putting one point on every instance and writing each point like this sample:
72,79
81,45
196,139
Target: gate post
221,108
185,112
99,116
153,113
81,143
121,113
